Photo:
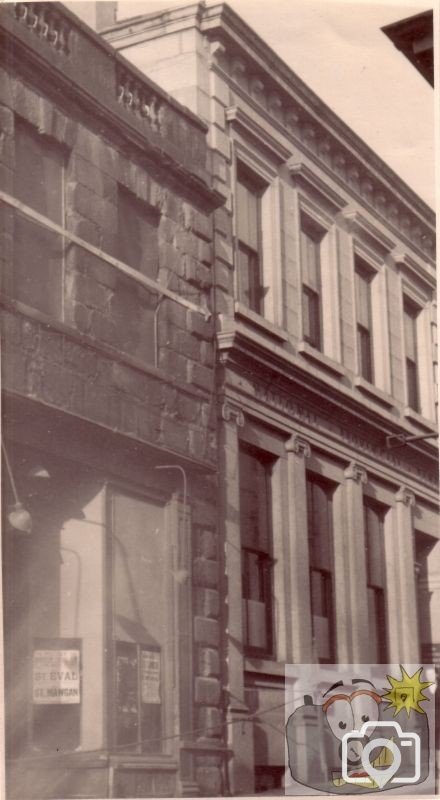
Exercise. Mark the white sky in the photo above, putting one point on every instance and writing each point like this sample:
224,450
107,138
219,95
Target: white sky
339,51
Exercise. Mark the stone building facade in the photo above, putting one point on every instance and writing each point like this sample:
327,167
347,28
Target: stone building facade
326,322
110,547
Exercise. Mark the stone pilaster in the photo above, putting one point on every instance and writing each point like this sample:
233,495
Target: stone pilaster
351,528
404,560
239,731
298,450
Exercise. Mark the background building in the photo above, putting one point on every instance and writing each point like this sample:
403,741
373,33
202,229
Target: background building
110,601
325,305
414,36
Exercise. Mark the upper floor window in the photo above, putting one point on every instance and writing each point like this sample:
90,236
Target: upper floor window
376,581
311,236
364,323
133,307
320,536
256,550
38,251
410,313
249,239
138,244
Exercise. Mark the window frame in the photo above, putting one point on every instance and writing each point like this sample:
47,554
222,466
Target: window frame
379,591
170,704
144,213
315,233
327,574
364,335
411,311
265,557
44,143
265,175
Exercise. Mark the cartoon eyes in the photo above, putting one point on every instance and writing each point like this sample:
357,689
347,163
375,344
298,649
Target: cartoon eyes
340,717
347,713
365,709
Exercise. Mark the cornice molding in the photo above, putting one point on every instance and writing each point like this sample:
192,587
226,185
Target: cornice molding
311,125
304,176
236,116
423,271
359,225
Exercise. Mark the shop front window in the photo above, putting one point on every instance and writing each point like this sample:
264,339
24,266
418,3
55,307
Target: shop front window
140,629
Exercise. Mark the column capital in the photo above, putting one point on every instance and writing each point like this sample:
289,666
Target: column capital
298,445
232,413
405,496
355,472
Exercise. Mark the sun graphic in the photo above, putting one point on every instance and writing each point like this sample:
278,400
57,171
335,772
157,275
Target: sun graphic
407,692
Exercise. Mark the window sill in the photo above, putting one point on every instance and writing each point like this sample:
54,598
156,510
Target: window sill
264,665
257,321
377,394
311,353
419,419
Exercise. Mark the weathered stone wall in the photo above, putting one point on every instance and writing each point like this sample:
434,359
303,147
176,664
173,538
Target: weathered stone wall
91,361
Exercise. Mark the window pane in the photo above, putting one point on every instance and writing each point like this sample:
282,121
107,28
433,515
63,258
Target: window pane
376,581
319,525
37,276
255,531
409,322
374,547
310,261
140,614
38,252
127,717
250,288
412,384
311,318
362,285
364,353
39,173
137,235
254,503
248,211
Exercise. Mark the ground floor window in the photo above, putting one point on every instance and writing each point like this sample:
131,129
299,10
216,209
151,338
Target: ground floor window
140,620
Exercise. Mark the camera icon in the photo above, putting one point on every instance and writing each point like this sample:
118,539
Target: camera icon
358,742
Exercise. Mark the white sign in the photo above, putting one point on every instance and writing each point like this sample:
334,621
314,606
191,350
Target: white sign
150,676
56,676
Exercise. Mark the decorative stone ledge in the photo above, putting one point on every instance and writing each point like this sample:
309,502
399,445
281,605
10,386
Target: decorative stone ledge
321,359
373,391
246,315
304,176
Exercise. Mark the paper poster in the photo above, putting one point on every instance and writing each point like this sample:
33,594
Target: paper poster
150,676
56,678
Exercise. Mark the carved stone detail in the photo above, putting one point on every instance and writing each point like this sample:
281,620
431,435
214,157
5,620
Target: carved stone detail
138,98
232,413
217,53
355,472
405,496
238,72
298,445
46,23
257,90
